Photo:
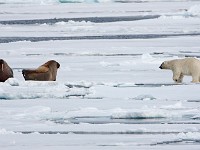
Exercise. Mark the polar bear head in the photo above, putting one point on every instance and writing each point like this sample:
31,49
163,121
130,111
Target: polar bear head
165,65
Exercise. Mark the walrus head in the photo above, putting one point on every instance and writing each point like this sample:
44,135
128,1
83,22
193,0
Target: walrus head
50,62
5,71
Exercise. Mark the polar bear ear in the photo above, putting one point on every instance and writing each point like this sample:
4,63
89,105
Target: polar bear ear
165,62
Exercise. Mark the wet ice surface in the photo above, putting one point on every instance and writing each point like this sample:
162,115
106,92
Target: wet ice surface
139,36
109,93
90,19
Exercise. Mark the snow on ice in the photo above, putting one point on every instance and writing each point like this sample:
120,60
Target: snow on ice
110,92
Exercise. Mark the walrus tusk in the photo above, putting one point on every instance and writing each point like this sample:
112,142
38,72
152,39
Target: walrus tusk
2,66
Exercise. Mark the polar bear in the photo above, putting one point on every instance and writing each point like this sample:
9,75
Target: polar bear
181,67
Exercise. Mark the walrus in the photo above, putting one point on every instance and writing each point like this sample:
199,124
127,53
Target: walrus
45,72
5,71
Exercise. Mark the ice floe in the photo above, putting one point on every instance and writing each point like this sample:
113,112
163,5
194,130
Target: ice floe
14,89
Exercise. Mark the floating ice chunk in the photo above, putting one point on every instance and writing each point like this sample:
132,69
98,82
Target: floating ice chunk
146,56
44,24
76,92
196,117
145,114
122,85
4,131
194,10
35,133
12,82
39,89
79,22
144,97
174,17
81,84
189,136
19,95
61,23
174,106
40,83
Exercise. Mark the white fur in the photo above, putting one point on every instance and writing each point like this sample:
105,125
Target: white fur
181,67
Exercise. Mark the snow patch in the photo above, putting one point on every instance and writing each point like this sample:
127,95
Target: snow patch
12,82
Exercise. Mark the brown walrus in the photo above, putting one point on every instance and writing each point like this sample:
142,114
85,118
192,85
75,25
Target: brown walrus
46,72
5,71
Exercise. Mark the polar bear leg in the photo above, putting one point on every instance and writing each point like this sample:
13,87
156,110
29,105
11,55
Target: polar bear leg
180,79
177,76
195,78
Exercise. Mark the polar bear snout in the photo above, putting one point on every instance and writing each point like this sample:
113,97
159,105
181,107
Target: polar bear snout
164,65
161,66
